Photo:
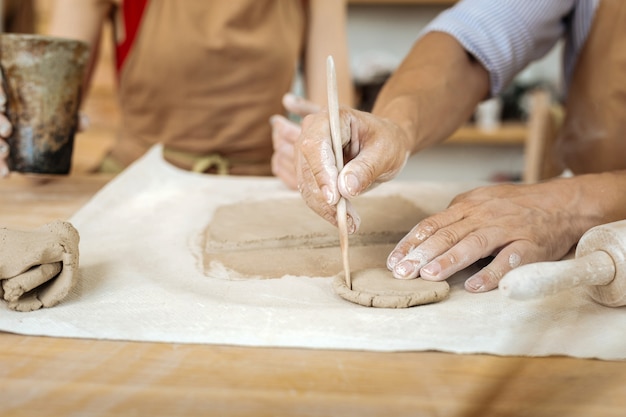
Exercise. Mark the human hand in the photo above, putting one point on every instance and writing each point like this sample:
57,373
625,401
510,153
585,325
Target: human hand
5,131
285,133
375,150
517,224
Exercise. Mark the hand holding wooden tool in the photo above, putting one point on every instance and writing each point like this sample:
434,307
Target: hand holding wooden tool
335,134
599,264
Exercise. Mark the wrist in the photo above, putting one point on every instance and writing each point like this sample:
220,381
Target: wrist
593,199
604,194
401,112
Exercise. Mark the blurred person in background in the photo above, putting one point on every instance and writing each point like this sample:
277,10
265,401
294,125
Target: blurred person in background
204,78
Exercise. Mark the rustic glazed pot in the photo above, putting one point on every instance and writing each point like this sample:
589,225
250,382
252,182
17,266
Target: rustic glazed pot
42,80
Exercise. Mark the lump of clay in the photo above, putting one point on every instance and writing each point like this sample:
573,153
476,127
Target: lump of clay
376,287
38,268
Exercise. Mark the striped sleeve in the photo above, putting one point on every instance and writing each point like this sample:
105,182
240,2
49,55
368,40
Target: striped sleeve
505,35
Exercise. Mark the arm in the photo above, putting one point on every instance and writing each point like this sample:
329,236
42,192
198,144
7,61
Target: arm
432,93
468,52
82,20
435,90
327,36
505,36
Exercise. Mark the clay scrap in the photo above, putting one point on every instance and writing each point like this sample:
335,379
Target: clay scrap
38,268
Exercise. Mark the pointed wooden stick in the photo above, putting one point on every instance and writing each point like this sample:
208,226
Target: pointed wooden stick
335,134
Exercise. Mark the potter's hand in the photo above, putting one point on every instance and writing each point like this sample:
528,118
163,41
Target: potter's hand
375,150
5,132
38,267
284,136
518,224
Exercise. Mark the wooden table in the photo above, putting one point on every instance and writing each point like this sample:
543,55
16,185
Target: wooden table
61,377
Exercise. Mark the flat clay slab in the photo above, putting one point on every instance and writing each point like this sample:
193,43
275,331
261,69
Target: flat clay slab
278,237
376,287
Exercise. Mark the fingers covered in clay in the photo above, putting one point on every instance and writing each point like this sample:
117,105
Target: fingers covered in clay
317,172
374,151
38,268
504,221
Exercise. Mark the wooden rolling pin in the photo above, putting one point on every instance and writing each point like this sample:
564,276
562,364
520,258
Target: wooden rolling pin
599,265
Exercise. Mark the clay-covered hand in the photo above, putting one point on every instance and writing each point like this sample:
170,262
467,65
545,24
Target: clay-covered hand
285,133
375,150
517,224
39,267
5,131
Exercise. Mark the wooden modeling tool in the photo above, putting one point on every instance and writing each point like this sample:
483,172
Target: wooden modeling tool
335,134
599,265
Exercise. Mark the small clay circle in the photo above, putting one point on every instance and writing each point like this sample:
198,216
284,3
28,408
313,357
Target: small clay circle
376,287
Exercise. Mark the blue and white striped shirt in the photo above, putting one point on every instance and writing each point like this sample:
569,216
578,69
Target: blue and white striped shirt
507,35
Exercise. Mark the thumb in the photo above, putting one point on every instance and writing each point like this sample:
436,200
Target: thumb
367,171
377,151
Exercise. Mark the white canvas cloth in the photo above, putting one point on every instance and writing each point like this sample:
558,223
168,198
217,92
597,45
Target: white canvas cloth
140,281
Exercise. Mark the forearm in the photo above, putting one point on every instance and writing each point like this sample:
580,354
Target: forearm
597,198
434,91
81,20
327,36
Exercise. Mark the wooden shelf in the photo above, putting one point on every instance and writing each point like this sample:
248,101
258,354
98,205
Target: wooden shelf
405,2
506,134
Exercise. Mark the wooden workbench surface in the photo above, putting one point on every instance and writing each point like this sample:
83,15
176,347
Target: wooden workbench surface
61,377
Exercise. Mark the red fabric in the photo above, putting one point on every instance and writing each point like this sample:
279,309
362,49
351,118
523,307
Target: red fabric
132,12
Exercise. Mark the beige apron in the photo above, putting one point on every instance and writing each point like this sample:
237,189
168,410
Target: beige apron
593,135
203,78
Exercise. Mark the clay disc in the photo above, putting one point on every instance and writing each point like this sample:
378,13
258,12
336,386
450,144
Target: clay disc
376,287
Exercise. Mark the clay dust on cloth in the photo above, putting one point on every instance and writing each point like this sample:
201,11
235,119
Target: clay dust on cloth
146,274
